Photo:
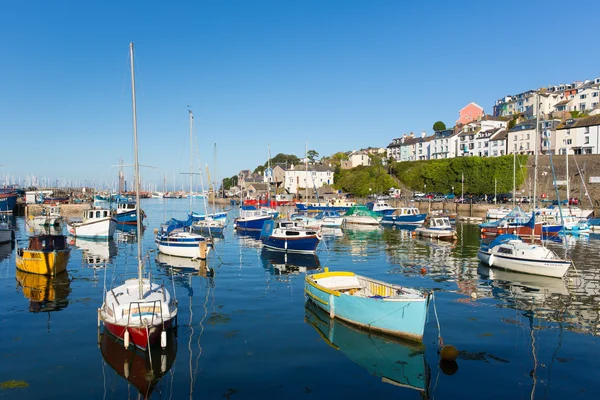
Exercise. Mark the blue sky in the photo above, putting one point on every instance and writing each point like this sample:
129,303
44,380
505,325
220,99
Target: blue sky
340,75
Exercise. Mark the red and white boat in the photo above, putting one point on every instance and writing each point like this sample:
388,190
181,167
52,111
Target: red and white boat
139,311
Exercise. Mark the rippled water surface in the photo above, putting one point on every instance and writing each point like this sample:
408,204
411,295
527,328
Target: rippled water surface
244,331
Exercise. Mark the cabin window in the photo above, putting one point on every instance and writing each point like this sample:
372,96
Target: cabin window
292,233
97,214
504,250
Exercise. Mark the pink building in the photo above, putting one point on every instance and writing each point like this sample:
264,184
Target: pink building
470,112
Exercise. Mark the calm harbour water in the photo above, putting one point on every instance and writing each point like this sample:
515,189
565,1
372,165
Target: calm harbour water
245,332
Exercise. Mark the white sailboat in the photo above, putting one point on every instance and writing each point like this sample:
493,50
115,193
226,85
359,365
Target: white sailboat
175,237
139,311
510,252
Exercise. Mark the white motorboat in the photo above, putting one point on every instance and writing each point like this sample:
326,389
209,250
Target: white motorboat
97,224
436,228
510,252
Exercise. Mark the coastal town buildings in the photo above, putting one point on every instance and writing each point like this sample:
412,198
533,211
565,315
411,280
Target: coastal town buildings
470,112
443,144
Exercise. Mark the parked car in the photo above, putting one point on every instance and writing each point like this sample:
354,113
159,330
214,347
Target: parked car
418,194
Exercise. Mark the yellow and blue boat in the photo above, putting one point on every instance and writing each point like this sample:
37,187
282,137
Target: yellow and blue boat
370,304
44,255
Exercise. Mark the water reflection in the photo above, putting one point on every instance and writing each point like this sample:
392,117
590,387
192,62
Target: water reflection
127,233
96,253
396,362
249,238
183,265
6,250
45,293
143,370
283,263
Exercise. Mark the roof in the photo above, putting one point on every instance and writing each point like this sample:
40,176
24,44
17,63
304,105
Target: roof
260,186
473,103
582,122
561,103
500,135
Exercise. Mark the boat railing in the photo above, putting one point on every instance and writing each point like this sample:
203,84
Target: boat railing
143,308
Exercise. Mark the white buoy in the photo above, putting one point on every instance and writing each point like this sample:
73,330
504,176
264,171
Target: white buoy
163,363
163,339
126,339
126,369
99,318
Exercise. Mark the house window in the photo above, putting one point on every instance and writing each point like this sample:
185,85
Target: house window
595,94
583,96
527,136
586,140
569,141
582,106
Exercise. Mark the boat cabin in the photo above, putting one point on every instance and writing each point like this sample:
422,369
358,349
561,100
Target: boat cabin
48,243
125,207
440,223
96,214
408,211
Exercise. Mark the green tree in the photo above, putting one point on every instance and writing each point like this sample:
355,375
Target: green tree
229,182
312,155
280,158
439,126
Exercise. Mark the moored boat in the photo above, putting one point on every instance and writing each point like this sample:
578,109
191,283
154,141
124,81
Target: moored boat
289,236
176,238
44,255
7,233
436,228
8,200
97,224
405,216
370,304
510,252
252,218
361,215
126,211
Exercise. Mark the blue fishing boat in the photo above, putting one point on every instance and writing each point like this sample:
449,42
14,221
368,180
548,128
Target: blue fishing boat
126,211
381,207
404,216
8,200
397,362
370,304
289,236
253,219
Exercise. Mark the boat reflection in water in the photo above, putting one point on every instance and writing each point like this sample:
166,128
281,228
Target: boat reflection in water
282,263
6,250
45,293
143,370
249,238
96,253
186,265
397,362
126,233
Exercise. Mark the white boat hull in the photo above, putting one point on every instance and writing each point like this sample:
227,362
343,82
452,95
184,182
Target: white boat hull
361,220
552,268
99,228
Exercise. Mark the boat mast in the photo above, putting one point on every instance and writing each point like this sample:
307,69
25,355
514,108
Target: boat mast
306,172
514,178
535,158
567,174
136,171
191,158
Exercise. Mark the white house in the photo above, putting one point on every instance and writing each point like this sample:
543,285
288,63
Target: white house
498,143
443,144
521,138
359,158
316,177
579,136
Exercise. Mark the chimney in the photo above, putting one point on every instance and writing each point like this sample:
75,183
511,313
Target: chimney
423,134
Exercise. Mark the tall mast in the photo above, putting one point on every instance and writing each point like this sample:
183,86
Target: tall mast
514,177
191,158
567,177
306,171
136,169
270,174
535,152
215,178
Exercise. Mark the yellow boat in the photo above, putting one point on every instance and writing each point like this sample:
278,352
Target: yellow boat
45,293
45,255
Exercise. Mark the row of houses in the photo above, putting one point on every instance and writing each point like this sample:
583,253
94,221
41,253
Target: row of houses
582,96
490,137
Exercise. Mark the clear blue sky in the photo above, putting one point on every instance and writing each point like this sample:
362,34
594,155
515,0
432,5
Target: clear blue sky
341,75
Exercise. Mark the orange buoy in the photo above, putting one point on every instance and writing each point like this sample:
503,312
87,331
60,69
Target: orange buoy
423,271
449,353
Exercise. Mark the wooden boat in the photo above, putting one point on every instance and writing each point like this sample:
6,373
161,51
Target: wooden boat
139,311
436,228
97,224
510,252
45,293
289,236
361,215
397,362
370,304
45,255
405,216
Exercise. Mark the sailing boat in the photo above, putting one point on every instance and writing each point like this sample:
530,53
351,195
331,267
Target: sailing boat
139,311
510,252
175,237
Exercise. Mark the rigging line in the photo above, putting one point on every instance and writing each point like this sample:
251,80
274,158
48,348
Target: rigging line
583,182
562,220
192,374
